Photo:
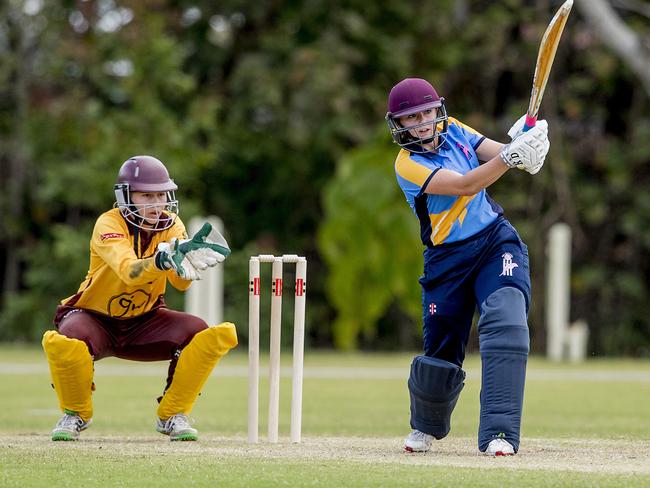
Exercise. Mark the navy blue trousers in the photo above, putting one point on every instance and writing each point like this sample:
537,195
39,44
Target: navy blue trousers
457,279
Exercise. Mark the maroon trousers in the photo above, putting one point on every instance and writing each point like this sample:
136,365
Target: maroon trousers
158,335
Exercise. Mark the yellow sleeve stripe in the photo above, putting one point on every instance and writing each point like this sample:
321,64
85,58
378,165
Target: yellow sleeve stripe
442,222
452,120
410,170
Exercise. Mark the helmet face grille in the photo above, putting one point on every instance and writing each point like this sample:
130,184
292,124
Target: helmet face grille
134,213
164,221
402,137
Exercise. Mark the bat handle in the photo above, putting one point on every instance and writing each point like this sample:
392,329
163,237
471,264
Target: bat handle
529,123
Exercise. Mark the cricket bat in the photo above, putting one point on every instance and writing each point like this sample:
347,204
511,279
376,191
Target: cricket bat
545,58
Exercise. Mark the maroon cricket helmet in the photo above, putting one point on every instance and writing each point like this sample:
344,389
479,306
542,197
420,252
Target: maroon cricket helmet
410,96
145,174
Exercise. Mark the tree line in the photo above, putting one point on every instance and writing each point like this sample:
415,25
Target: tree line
270,115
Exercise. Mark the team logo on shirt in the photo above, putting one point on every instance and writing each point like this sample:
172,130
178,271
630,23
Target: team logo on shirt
508,265
433,308
464,149
128,304
111,235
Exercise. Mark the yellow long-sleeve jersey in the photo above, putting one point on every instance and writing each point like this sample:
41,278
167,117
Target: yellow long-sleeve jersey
123,280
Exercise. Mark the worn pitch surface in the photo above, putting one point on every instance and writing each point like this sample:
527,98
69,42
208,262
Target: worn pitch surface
578,455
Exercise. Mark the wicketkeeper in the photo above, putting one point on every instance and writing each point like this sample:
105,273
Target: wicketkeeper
473,257
119,309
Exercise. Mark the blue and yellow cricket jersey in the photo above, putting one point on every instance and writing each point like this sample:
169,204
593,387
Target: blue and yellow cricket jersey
446,218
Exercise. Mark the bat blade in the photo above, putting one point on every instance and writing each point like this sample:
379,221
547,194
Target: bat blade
545,57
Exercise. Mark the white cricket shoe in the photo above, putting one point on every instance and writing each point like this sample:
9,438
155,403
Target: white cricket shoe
178,428
499,447
69,426
418,441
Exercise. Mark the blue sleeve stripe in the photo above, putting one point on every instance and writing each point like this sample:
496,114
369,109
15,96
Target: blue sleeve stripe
422,212
478,143
426,182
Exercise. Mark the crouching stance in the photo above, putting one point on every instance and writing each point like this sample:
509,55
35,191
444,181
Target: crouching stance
473,257
119,309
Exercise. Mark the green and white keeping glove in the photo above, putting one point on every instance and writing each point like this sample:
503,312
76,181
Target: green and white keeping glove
207,248
190,256
169,256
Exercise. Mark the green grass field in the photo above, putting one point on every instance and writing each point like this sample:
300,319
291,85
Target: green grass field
583,425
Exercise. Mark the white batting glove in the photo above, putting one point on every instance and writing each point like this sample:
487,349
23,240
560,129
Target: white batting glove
517,128
542,137
528,150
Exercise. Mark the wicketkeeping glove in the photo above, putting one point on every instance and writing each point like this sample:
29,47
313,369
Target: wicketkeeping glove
207,248
169,256
189,256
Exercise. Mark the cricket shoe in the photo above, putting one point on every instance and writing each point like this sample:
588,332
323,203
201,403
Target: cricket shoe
418,441
499,447
68,428
178,428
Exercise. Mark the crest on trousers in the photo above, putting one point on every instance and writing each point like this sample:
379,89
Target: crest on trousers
432,308
508,265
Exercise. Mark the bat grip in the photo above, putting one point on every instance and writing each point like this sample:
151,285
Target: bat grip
529,123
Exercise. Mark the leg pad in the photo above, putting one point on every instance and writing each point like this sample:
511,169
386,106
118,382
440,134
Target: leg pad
71,367
504,343
434,387
194,366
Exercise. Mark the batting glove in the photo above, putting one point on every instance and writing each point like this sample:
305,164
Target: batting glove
528,150
517,128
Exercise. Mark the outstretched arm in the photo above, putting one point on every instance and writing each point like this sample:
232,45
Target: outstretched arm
448,182
488,149
527,151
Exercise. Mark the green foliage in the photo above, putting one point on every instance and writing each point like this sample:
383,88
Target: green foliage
93,119
266,114
55,269
369,239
